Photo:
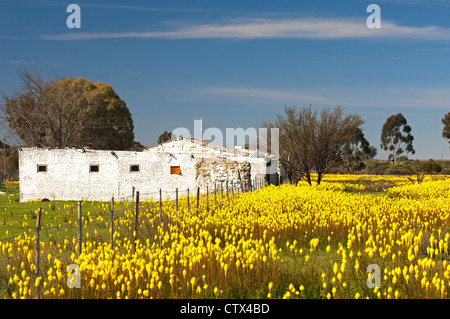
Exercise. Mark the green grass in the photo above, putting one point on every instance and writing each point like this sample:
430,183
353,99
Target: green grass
17,218
57,216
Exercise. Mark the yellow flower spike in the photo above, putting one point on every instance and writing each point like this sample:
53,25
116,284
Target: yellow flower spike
335,268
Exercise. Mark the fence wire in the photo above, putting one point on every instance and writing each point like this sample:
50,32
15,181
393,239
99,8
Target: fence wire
149,200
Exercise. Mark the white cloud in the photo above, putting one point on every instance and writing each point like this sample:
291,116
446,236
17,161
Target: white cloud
261,94
257,28
424,98
140,8
20,62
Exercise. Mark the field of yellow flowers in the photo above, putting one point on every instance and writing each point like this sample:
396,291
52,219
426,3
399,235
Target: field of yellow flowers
288,241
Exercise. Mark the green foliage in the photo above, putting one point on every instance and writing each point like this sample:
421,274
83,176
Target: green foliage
431,167
446,130
399,169
12,164
396,137
164,137
71,112
356,150
376,167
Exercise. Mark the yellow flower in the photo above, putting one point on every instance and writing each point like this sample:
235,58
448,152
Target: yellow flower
335,268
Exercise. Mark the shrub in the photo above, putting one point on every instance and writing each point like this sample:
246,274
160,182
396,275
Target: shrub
376,167
399,170
431,166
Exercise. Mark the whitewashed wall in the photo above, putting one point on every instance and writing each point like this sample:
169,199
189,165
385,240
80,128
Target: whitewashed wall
68,176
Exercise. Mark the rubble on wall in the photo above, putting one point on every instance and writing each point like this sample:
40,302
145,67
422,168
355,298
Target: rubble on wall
207,173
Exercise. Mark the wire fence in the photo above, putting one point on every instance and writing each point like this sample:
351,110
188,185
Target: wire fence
94,213
94,222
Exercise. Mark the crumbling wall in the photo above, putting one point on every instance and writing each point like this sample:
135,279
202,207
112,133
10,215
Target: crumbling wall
236,173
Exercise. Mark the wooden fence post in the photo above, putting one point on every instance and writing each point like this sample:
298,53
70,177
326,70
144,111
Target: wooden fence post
160,208
221,194
112,223
189,206
215,194
198,199
136,222
232,189
80,228
207,199
38,253
176,205
228,198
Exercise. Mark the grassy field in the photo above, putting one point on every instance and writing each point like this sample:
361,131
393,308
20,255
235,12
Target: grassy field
279,242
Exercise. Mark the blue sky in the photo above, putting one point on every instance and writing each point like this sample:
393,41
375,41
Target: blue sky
237,63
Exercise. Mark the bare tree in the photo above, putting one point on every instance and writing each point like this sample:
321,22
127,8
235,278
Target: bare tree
68,112
296,131
310,142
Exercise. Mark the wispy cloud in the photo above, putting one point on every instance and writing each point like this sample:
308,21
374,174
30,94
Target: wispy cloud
258,28
15,37
425,98
261,94
141,8
19,62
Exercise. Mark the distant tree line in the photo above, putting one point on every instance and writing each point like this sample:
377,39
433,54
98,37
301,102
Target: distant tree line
331,142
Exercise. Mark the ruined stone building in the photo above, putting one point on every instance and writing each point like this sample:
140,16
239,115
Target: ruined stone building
77,174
